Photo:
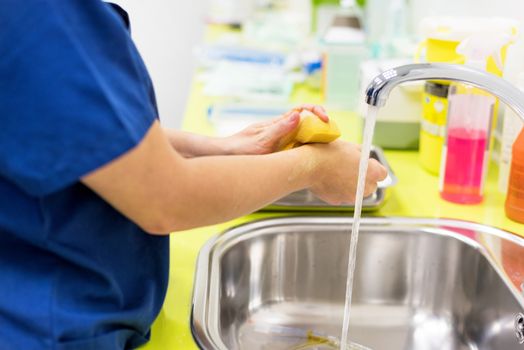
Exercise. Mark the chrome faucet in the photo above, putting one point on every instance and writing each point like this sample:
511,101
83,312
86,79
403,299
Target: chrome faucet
379,89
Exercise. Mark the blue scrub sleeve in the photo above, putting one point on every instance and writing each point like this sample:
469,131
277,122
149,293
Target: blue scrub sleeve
74,92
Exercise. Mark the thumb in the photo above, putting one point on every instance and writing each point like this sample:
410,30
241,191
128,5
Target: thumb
285,126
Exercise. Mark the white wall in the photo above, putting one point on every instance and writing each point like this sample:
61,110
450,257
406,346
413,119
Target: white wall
165,32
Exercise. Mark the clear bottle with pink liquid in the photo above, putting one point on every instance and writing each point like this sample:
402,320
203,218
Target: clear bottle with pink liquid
465,153
470,110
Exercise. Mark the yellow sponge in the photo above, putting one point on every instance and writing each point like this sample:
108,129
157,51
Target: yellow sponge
311,130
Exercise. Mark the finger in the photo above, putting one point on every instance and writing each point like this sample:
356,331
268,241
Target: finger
380,171
281,117
319,111
261,125
308,106
370,188
284,126
276,119
383,173
376,171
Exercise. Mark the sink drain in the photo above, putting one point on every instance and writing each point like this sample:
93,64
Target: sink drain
519,327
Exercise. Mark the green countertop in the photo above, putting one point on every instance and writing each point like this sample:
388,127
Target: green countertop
415,195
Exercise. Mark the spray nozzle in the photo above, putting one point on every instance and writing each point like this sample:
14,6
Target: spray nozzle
477,49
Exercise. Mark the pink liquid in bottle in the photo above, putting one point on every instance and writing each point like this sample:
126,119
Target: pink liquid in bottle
464,169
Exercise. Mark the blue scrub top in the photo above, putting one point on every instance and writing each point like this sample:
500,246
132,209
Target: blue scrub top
74,95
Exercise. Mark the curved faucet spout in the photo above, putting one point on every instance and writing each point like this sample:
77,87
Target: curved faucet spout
379,89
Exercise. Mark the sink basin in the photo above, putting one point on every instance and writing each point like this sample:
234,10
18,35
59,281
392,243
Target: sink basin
419,284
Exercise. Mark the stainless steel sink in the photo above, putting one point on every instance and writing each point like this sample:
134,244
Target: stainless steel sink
420,284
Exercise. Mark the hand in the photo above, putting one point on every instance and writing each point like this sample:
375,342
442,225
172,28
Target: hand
336,172
264,137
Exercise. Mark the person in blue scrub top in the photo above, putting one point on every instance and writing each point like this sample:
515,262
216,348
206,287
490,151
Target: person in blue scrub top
91,183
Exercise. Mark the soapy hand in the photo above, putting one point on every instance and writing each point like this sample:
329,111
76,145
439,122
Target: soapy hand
265,137
335,173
